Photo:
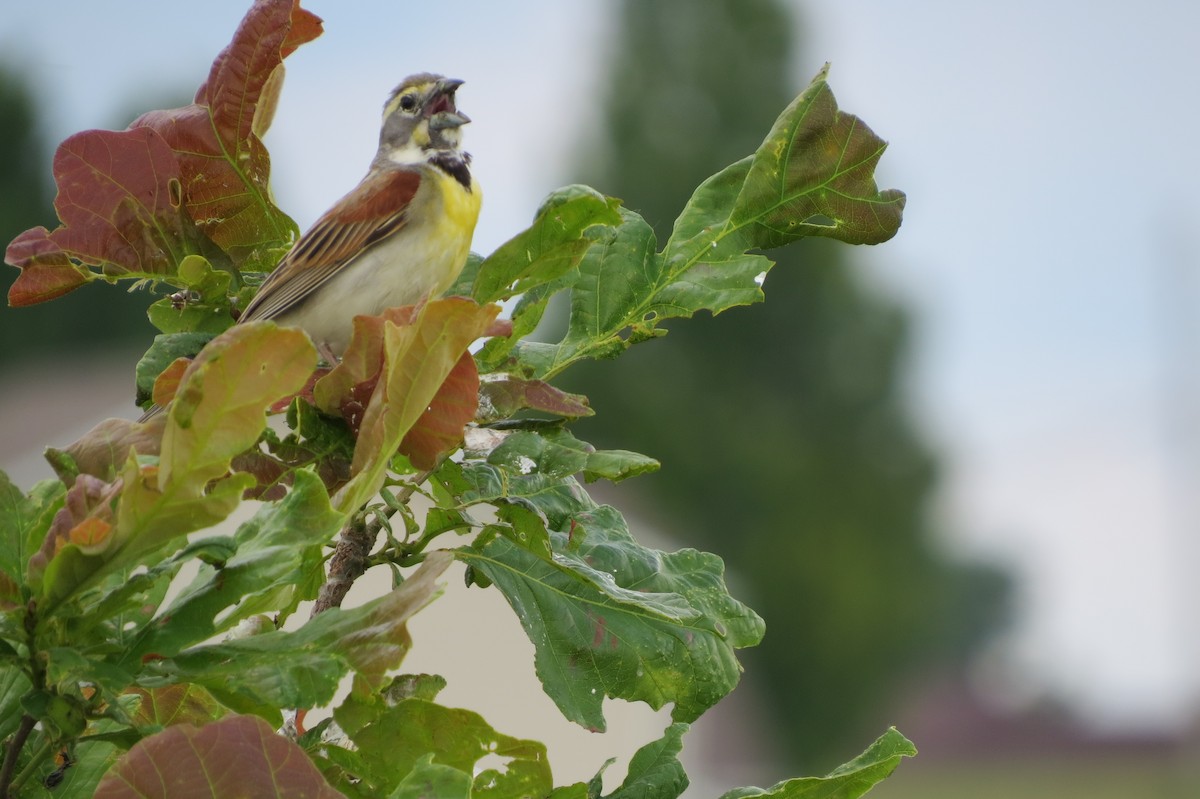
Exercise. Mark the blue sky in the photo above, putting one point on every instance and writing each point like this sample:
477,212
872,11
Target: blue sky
1047,151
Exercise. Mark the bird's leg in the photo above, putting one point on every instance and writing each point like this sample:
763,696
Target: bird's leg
327,354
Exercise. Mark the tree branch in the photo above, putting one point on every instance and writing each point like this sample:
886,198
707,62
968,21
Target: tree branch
351,555
348,563
14,749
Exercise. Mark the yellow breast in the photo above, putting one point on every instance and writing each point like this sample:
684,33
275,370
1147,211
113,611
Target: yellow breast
455,225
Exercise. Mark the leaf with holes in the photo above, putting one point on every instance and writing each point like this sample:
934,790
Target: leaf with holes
608,617
812,176
302,668
120,203
403,734
224,168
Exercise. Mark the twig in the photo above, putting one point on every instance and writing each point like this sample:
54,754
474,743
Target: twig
352,553
14,748
348,563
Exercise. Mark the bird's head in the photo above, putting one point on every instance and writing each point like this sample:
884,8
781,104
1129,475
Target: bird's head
420,119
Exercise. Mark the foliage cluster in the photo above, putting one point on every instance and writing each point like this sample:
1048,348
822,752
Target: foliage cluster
113,684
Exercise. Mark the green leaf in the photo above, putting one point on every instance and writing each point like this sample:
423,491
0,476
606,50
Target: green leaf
655,771
276,564
220,407
475,482
549,248
556,453
461,287
24,522
814,175
414,686
302,668
707,263
849,781
126,604
608,617
429,780
162,353
412,730
175,317
202,307
236,756
68,667
541,261
578,790
14,684
91,759
218,412
616,276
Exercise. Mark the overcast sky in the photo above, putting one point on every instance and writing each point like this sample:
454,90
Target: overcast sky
1049,160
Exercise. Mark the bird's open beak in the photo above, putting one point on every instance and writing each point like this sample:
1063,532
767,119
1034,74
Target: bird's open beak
448,119
441,110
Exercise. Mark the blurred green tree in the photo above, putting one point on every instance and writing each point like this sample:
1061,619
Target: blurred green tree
846,573
87,321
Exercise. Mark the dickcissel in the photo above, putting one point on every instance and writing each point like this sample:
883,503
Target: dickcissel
400,236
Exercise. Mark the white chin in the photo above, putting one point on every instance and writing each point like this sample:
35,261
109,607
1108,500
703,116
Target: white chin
408,154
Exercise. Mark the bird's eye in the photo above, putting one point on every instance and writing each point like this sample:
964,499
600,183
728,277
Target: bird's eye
408,102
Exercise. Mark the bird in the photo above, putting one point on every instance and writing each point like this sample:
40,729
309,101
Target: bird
400,236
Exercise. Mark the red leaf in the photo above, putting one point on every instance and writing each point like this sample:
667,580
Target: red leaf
87,512
46,271
175,704
417,358
118,203
361,362
103,450
440,428
130,201
224,165
167,382
236,756
504,395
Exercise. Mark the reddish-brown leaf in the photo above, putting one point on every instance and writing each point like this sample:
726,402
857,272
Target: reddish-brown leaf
167,382
90,498
103,450
118,200
503,395
269,474
236,756
224,166
440,428
417,359
46,271
175,704
361,362
135,202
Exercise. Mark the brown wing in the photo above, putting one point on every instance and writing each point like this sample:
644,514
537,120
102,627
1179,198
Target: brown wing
374,210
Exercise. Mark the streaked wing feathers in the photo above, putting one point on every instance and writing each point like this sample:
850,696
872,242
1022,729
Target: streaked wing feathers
374,210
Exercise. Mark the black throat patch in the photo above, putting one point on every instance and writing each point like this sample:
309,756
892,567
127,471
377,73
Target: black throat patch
455,166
